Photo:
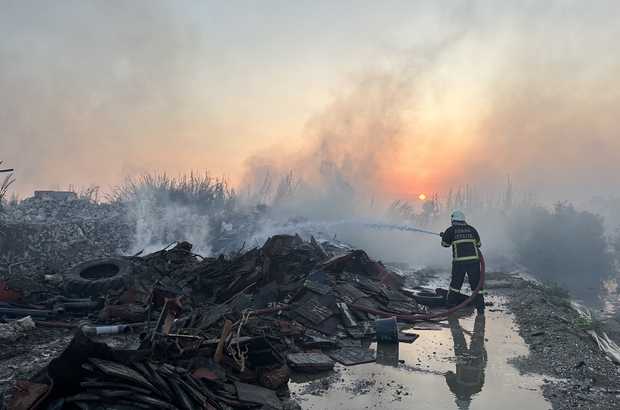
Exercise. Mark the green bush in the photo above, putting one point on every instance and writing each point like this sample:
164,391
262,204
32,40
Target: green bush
563,245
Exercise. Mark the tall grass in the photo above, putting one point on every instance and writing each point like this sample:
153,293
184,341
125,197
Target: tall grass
90,194
467,198
263,195
202,193
4,187
289,193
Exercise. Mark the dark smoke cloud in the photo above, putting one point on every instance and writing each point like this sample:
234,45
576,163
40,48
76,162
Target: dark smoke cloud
349,144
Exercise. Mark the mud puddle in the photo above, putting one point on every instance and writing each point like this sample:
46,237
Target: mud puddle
457,364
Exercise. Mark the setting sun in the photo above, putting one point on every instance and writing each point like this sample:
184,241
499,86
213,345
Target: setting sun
422,197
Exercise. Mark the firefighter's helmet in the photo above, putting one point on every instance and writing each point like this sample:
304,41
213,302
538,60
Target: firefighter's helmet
457,215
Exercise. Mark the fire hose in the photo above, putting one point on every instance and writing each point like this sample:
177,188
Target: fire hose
417,318
405,318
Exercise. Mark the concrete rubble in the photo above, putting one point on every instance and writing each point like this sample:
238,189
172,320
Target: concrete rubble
210,332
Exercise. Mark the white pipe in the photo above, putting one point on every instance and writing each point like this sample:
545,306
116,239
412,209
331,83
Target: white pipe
104,330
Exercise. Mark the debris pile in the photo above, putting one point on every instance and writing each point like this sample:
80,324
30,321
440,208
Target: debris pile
50,233
47,235
211,333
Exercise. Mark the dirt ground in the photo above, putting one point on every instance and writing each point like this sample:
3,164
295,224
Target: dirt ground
580,374
577,373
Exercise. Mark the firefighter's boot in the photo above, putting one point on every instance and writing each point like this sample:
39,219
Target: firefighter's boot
479,303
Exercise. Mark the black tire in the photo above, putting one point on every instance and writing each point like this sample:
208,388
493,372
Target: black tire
97,276
428,297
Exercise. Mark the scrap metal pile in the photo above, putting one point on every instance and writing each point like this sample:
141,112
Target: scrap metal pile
215,333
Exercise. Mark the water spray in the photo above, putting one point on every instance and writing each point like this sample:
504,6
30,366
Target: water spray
377,225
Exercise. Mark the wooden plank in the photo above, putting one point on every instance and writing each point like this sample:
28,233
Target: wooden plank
220,346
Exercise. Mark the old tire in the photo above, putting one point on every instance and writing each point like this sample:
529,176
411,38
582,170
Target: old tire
428,297
96,276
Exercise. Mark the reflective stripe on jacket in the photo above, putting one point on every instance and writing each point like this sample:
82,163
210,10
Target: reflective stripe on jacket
465,242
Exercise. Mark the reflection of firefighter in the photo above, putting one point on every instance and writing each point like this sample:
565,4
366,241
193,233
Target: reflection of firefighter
470,362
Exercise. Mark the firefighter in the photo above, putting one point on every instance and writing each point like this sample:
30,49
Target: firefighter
465,241
471,361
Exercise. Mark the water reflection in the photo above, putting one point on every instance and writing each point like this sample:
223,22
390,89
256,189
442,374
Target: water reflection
387,354
470,361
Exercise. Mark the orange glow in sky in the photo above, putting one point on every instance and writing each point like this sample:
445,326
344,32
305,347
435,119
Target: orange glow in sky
428,98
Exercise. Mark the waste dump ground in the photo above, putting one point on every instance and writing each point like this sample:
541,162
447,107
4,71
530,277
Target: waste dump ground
533,360
273,327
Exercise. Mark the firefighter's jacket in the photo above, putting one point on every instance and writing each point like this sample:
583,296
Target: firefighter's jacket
465,242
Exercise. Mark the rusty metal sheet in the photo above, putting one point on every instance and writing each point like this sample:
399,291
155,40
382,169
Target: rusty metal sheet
317,287
256,394
318,342
318,248
205,366
355,261
351,342
122,371
363,330
266,295
391,279
372,287
277,244
328,301
205,374
366,302
314,311
289,288
317,275
401,307
310,361
328,326
350,356
239,303
26,394
348,292
395,296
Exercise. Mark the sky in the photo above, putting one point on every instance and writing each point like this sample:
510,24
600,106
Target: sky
397,98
